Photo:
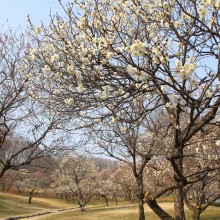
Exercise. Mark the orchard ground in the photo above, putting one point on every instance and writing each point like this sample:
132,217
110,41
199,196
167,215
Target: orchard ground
16,205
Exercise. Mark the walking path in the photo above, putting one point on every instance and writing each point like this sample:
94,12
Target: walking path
40,213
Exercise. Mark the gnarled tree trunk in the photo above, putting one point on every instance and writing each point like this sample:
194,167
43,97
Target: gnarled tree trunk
158,210
31,194
82,208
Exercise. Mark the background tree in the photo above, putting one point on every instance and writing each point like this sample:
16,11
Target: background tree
124,178
200,195
106,187
77,175
125,139
34,183
23,123
7,181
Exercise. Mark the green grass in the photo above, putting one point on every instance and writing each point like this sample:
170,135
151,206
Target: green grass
13,205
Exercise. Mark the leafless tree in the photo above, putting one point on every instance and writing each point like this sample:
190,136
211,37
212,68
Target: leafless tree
24,125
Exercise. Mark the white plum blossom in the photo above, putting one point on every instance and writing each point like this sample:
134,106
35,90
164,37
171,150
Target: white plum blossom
171,105
182,102
33,53
55,58
163,89
137,48
202,11
208,2
166,5
46,69
69,101
37,30
105,93
217,143
186,70
83,113
132,70
70,69
81,88
109,55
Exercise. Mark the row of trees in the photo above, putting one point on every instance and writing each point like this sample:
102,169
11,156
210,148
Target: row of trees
78,179
141,81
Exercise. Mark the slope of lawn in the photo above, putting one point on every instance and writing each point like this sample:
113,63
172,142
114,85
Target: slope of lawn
15,205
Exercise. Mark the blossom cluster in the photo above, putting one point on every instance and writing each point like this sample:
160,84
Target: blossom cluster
113,52
186,70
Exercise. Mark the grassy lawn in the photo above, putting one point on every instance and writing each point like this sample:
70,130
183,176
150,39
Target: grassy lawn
13,205
102,213
122,213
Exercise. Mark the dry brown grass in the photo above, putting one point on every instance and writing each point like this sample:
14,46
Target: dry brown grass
14,205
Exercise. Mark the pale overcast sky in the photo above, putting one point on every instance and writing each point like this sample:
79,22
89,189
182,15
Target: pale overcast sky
16,11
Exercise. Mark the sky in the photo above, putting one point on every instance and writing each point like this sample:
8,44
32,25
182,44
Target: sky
16,11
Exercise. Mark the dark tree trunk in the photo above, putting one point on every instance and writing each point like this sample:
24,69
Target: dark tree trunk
18,190
30,199
9,187
82,208
158,210
106,200
4,169
196,214
140,195
82,201
141,209
3,188
179,178
179,204
128,196
31,195
115,196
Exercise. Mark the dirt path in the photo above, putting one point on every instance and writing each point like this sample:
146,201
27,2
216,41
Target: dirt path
40,213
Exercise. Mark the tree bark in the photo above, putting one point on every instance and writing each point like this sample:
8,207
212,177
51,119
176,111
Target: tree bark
140,195
115,196
82,208
31,195
196,210
141,209
179,204
196,214
158,210
106,200
30,198
9,187
179,178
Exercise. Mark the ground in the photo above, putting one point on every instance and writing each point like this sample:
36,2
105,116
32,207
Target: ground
52,209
